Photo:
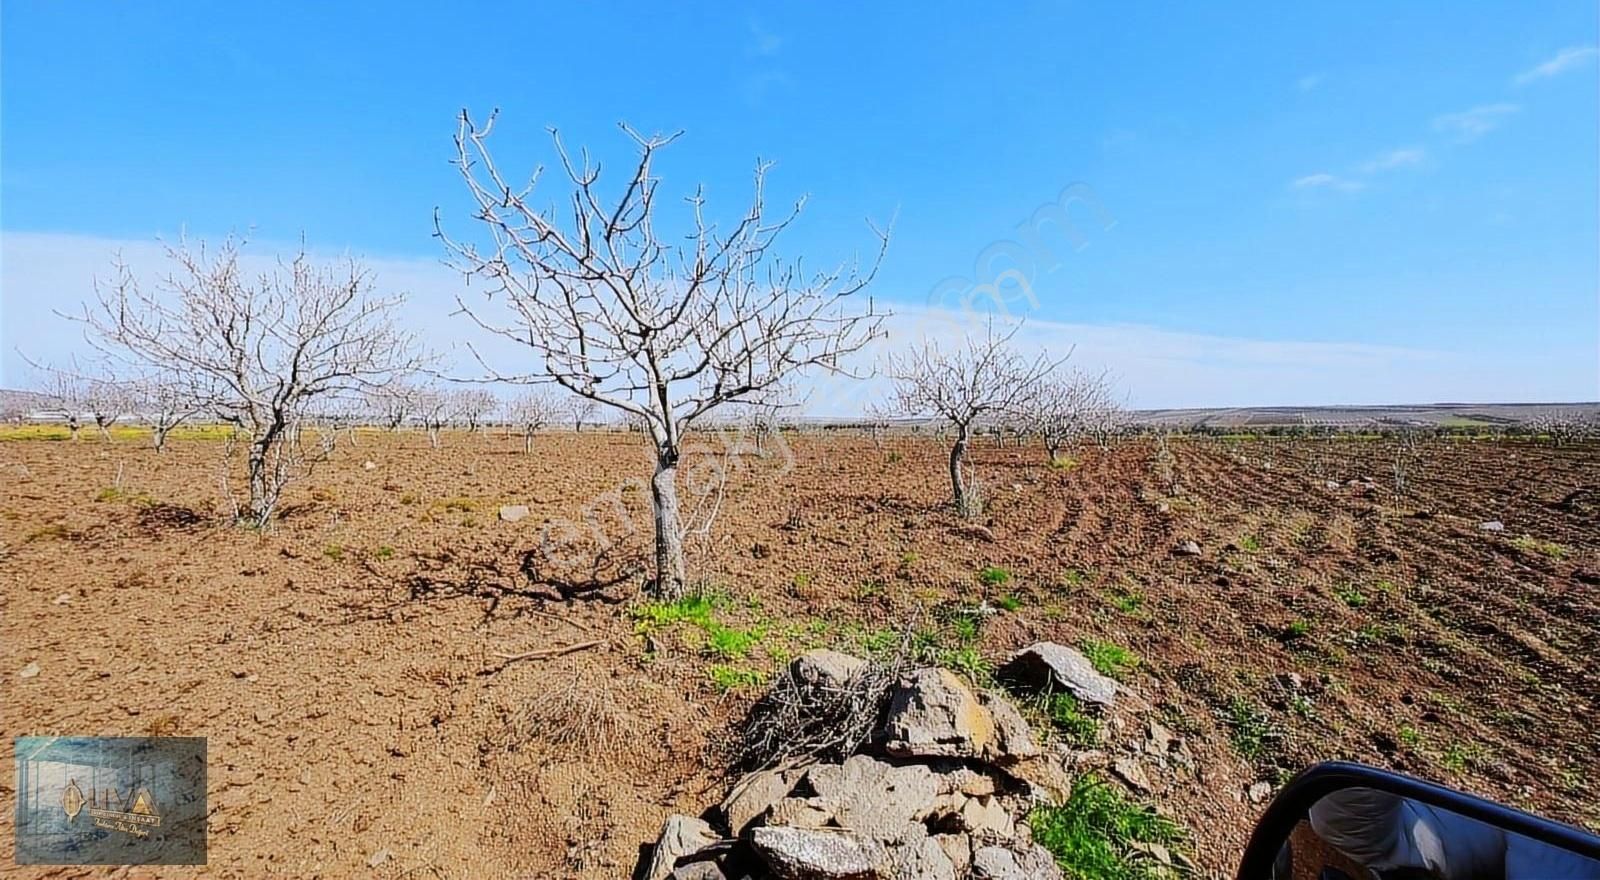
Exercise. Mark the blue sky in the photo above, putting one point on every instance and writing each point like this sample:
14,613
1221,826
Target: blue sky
1418,181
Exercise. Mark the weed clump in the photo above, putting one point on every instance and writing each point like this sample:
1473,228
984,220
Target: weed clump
1096,834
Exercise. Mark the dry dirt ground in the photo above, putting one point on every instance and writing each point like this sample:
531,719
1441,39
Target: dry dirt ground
346,665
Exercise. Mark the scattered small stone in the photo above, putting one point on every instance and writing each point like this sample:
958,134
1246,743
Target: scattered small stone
513,512
379,857
1187,548
1493,525
1331,484
1132,772
29,671
369,465
62,599
1259,792
825,669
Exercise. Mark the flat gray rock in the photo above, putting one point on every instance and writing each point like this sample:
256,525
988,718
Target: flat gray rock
1047,664
933,714
754,795
873,798
998,863
513,512
805,854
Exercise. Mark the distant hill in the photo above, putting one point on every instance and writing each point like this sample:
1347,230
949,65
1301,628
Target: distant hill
1450,415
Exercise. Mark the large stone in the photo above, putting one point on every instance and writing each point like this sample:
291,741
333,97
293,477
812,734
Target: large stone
801,813
874,798
1015,737
986,819
756,794
1047,664
998,863
706,870
958,849
824,669
680,836
922,858
934,714
820,854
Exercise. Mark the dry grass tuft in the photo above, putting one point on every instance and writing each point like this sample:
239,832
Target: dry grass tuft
577,712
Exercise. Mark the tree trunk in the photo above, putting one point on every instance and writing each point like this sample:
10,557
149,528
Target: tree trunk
1052,448
670,581
257,511
958,482
158,436
527,441
433,436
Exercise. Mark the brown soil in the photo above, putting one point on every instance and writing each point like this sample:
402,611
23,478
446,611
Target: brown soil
345,665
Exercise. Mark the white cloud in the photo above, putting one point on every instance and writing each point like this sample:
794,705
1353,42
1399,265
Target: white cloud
1392,159
1472,124
1309,82
1563,61
1156,367
1323,180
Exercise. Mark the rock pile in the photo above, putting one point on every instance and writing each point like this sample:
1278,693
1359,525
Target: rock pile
938,790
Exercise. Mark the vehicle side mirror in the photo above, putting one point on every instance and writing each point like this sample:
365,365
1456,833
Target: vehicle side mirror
1343,821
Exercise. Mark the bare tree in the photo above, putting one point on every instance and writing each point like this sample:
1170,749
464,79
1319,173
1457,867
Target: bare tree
582,411
64,393
1071,407
530,411
269,348
106,399
433,407
392,404
982,381
166,404
471,406
661,327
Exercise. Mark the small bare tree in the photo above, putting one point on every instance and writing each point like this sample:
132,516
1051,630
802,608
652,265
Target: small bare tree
63,393
1072,407
530,411
663,328
392,404
581,411
166,404
433,407
269,348
982,381
106,400
471,406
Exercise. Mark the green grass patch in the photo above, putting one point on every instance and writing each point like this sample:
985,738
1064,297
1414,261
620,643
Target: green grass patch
1063,463
1067,716
1008,602
732,678
384,552
1296,630
1093,834
1109,658
1351,597
969,662
694,609
994,576
730,643
1250,730
333,551
1127,600
1250,544
1530,544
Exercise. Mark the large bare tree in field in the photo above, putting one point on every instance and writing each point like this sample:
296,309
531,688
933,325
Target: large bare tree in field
982,381
267,349
664,326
